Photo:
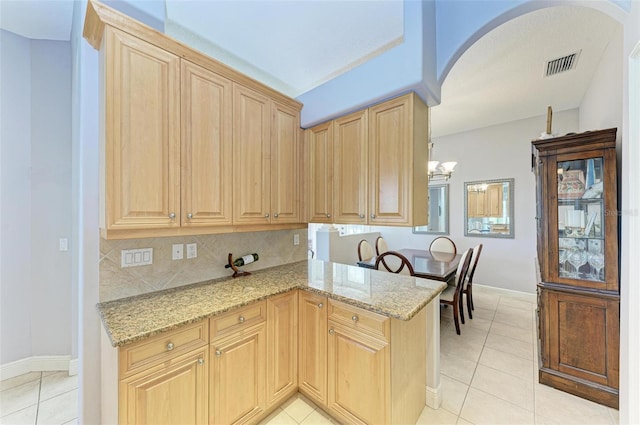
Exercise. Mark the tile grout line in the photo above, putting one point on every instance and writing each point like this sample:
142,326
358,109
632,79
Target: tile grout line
38,403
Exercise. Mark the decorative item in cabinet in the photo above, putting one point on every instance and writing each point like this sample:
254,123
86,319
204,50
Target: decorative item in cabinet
579,294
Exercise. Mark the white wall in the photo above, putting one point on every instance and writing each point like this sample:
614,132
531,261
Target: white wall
496,152
50,197
15,198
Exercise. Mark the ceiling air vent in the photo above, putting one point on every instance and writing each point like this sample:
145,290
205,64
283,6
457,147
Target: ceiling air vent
565,63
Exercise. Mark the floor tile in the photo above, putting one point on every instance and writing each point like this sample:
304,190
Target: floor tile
457,345
19,380
463,422
505,362
482,408
477,322
504,386
483,313
511,331
453,394
457,368
318,417
71,422
297,408
20,397
56,384
59,409
515,303
467,334
436,416
514,317
567,408
278,417
21,417
510,345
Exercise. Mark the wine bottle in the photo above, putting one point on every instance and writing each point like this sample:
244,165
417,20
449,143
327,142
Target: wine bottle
244,260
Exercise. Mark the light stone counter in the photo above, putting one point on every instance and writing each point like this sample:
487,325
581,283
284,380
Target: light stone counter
131,319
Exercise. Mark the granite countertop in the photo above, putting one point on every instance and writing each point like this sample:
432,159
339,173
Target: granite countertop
131,319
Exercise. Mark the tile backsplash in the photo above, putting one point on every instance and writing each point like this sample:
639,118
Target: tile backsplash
273,247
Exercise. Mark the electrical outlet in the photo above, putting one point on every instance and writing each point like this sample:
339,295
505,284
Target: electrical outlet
192,250
296,239
177,251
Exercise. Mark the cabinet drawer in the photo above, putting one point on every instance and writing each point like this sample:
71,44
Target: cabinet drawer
163,347
365,321
237,319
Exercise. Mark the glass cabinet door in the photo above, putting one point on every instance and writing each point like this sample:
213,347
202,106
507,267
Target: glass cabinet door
581,219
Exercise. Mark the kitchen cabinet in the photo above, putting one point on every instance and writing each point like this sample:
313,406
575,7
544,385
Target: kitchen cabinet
379,177
578,289
282,347
164,379
312,370
319,145
487,202
188,145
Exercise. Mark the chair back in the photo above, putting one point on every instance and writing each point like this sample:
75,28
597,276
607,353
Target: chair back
443,244
463,268
365,250
381,245
474,262
394,262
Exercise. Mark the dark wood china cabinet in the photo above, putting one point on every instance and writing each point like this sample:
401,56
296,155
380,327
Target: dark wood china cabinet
578,285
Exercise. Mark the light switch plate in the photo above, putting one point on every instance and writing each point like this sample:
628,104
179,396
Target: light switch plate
136,257
177,251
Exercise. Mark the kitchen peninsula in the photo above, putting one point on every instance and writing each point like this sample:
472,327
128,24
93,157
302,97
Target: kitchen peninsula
362,344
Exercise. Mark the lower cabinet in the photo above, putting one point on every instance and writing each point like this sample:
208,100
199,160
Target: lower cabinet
312,339
579,344
282,347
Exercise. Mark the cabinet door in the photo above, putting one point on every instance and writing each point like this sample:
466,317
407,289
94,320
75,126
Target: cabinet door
319,143
251,165
575,322
282,347
312,342
285,163
237,376
142,134
350,168
494,200
206,147
476,206
358,375
390,162
175,392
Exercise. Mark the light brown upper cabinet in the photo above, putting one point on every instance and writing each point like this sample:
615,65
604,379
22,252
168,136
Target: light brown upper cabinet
188,145
379,175
487,202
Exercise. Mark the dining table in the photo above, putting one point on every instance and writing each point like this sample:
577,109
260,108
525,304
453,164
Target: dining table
426,264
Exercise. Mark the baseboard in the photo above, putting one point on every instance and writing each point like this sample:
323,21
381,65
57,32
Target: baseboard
507,292
434,397
39,364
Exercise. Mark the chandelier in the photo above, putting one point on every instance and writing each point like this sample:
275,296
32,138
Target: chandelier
440,171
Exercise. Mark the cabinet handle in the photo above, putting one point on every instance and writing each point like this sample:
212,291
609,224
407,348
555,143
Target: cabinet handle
200,361
320,305
328,215
266,215
331,331
189,216
276,215
373,216
218,353
355,318
172,215
170,346
361,215
241,319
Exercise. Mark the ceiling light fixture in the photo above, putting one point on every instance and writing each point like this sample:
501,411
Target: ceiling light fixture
440,171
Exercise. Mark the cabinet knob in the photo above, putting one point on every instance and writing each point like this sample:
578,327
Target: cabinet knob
373,216
172,215
276,215
200,361
320,305
170,346
189,216
266,215
355,318
218,353
331,331
361,215
328,215
241,319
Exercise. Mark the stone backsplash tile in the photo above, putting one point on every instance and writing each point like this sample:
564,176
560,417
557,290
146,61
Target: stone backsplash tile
274,248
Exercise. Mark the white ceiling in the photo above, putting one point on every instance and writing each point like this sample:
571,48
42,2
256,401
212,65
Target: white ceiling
304,43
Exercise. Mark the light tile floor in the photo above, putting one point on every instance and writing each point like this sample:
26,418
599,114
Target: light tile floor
489,376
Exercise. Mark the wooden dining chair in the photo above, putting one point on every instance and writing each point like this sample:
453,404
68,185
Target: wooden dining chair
468,283
394,262
381,245
451,295
365,250
443,244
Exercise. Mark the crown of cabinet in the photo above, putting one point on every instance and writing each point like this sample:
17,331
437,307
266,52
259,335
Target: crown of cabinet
369,167
171,139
